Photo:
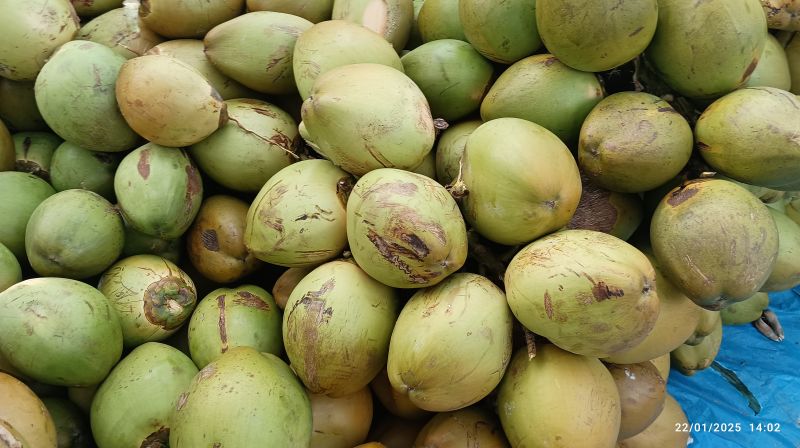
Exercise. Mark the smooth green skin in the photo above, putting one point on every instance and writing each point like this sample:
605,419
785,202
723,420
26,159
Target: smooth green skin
710,60
20,194
192,52
786,272
94,7
32,31
336,328
390,18
523,182
139,395
745,311
197,17
618,214
705,326
595,309
7,154
633,142
298,217
34,152
89,116
72,426
558,399
137,243
158,190
427,167
10,270
751,135
256,49
678,317
256,142
241,400
314,11
347,126
715,241
452,75
151,295
773,67
82,396
689,359
226,318
450,148
504,32
74,234
18,106
792,208
596,36
543,90
414,37
439,19
770,197
59,331
444,364
793,58
75,167
119,30
404,229
335,43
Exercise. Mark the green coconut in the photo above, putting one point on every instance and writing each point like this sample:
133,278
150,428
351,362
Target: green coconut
773,67
34,152
121,30
74,234
472,425
731,41
256,49
617,214
786,271
258,140
439,19
404,229
159,190
152,296
746,311
192,52
397,403
335,43
755,117
242,399
314,11
428,166
215,242
24,419
504,32
543,90
341,422
59,331
705,326
543,401
336,328
522,180
245,316
689,359
588,292
7,153
414,38
10,270
642,392
712,267
134,404
72,426
450,148
88,116
286,283
596,36
678,317
82,396
196,17
167,101
345,124
137,243
442,363
18,106
20,194
633,142
88,8
298,217
662,431
73,167
31,31
452,75
390,18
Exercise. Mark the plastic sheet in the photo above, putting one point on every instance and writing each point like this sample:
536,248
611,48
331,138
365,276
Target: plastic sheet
770,370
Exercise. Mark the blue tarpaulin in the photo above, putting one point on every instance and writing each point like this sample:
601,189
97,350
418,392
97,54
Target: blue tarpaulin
770,370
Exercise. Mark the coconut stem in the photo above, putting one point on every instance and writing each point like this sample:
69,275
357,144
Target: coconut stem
458,189
530,342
